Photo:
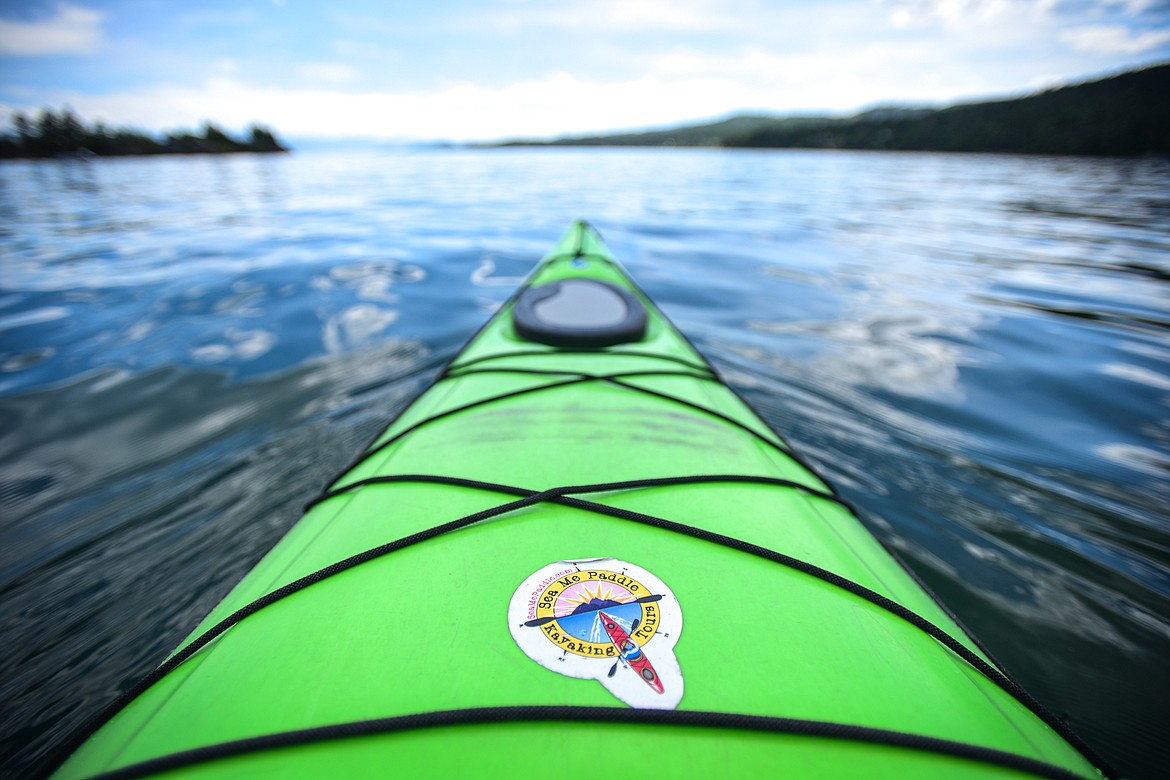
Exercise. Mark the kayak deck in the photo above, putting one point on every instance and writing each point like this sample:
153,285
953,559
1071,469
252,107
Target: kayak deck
374,634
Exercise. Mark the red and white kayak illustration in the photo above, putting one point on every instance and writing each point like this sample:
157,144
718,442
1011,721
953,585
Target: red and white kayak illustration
631,652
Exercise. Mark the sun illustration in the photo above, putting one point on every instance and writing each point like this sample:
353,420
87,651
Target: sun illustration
597,595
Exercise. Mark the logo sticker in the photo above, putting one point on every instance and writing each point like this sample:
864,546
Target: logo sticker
606,620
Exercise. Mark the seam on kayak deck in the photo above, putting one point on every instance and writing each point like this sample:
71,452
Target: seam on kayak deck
592,715
781,444
616,379
561,495
575,377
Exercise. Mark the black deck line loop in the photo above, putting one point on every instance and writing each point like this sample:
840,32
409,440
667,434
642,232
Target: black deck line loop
561,495
556,352
560,351
1003,681
688,719
572,372
201,641
528,498
577,378
622,485
1007,684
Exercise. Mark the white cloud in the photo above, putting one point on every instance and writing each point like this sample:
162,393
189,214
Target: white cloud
1113,39
783,57
329,72
681,88
657,15
962,13
621,15
73,30
835,80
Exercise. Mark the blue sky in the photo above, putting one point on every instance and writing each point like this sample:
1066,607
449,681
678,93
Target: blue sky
455,69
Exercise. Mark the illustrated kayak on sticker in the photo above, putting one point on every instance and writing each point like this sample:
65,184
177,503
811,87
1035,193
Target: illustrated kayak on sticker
630,652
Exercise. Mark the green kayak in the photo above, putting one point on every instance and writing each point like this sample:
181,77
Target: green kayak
579,551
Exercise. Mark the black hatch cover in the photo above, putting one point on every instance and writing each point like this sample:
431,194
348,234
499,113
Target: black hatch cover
579,313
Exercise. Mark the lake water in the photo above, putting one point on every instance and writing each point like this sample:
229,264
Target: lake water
974,349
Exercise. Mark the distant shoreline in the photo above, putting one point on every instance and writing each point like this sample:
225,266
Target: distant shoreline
63,136
1123,115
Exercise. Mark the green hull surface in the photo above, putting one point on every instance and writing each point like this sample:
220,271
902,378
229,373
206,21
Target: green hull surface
405,624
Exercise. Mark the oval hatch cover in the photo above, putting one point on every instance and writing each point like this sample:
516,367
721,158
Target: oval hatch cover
579,313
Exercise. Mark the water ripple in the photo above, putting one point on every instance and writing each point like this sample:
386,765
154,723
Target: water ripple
974,348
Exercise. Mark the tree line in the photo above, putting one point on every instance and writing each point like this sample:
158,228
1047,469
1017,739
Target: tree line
62,134
1126,114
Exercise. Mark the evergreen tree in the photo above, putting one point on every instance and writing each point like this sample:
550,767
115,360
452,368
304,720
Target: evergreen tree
217,140
24,131
98,139
48,141
261,139
72,131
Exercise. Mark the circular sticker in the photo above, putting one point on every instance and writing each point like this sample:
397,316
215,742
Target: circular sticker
606,620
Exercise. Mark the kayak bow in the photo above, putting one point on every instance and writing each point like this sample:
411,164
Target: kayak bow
579,459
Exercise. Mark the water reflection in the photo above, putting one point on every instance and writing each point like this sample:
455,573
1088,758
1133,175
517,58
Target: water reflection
357,325
911,355
972,348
